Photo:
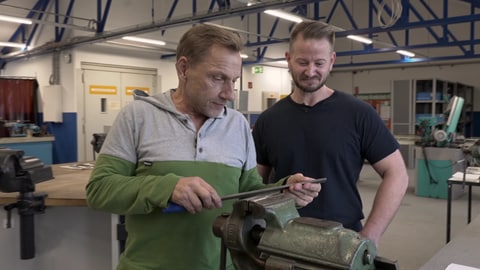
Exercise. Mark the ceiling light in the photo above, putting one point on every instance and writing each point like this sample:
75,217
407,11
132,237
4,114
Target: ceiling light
14,19
360,39
13,44
245,32
145,40
406,53
284,15
250,2
242,55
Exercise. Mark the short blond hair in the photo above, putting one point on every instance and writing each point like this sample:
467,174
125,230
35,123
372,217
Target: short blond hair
196,42
312,30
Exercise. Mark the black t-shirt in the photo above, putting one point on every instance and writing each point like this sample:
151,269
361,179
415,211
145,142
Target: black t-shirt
331,139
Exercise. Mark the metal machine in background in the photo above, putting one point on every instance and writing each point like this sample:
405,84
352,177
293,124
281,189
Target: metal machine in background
266,232
442,134
20,129
97,142
439,152
20,173
471,152
442,152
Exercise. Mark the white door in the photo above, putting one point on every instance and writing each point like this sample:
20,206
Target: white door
106,90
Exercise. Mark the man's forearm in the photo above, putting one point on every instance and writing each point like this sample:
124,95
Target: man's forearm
386,203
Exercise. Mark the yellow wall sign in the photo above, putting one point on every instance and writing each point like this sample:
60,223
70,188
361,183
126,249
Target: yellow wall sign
102,89
129,89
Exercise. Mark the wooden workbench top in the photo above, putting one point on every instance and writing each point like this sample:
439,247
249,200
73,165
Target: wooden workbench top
66,189
10,140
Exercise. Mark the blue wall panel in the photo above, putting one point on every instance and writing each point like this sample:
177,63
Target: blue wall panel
65,144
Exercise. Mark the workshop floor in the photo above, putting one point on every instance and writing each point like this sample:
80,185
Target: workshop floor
419,228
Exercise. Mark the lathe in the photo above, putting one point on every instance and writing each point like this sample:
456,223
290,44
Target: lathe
266,232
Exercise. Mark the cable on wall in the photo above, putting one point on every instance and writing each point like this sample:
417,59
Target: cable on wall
55,76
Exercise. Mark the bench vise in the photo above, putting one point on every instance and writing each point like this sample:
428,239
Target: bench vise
266,232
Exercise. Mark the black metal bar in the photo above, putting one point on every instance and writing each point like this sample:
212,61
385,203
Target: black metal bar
175,208
469,204
266,190
449,209
27,236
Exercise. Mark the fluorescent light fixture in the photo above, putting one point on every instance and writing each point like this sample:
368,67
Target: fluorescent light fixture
14,19
13,44
145,40
284,15
406,53
360,39
242,55
282,62
252,2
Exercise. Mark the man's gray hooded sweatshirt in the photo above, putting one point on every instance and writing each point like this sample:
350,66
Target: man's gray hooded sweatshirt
148,149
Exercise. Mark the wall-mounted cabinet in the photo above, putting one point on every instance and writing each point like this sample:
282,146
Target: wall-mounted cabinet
431,100
403,109
414,100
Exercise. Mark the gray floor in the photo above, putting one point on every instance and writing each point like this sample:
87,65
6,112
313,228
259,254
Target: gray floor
419,228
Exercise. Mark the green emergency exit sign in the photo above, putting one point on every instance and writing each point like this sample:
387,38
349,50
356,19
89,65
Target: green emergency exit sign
257,69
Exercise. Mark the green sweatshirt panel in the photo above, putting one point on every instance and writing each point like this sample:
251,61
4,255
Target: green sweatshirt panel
164,241
157,240
115,188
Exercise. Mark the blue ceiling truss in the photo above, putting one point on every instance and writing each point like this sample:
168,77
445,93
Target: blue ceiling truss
417,15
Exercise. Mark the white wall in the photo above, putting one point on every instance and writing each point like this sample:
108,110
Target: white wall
41,68
373,81
166,68
368,81
272,79
167,79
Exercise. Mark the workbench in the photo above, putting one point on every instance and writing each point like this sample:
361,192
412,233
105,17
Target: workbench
463,249
39,147
69,235
66,189
450,184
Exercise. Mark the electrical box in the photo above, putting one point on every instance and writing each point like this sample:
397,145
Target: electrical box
269,98
241,102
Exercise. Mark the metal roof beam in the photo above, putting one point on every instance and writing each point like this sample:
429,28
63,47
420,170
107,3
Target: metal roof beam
412,25
411,47
41,5
101,36
59,31
411,62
